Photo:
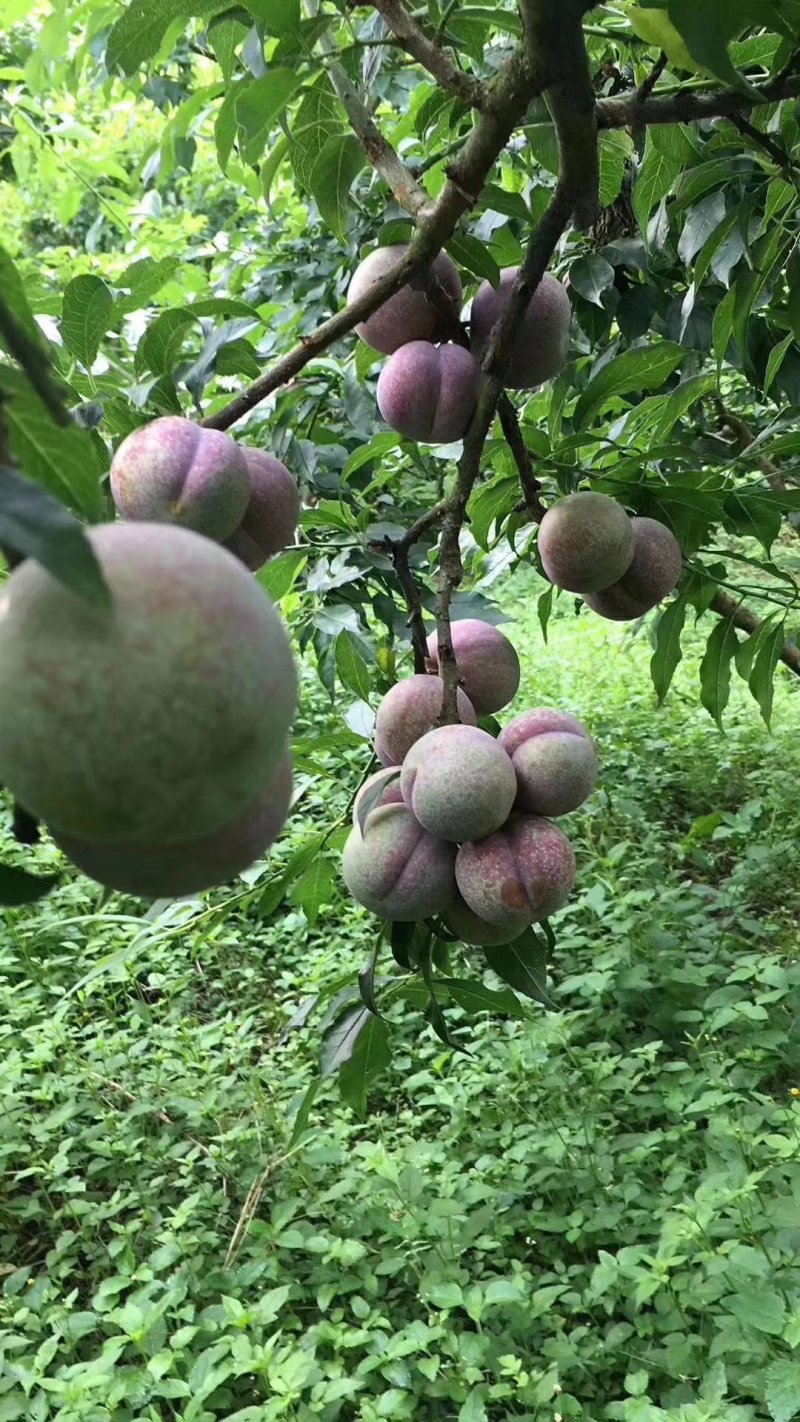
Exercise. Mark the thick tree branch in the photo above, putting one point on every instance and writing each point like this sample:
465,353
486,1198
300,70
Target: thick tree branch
430,54
407,191
556,50
35,362
747,621
631,112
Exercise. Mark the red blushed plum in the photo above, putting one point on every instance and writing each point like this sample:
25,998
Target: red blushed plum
159,713
272,514
175,471
396,869
585,542
653,573
471,929
542,344
488,665
389,792
408,315
408,711
459,783
428,392
168,871
555,761
520,875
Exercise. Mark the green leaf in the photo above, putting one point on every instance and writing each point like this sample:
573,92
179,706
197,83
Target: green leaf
668,654
225,34
258,105
370,1056
783,1389
160,345
544,608
490,503
280,574
523,965
303,1111
543,144
473,254
63,461
591,276
225,123
333,174
644,368
351,667
137,35
17,887
715,669
341,1039
35,524
144,278
87,312
700,222
315,887
316,120
762,676
776,359
708,28
12,291
474,997
616,150
654,180
723,325
280,17
759,1308
510,204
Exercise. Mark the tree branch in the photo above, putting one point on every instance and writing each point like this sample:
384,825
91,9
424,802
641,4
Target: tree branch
747,621
531,488
555,48
398,551
430,54
692,106
383,157
35,362
768,145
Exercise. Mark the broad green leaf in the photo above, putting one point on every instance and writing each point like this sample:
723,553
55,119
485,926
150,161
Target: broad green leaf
700,222
654,180
12,292
762,676
86,315
783,1389
143,279
351,667
225,123
656,27
341,1039
501,200
544,608
318,118
17,887
63,461
225,34
761,1309
667,654
370,1056
474,997
280,17
316,886
490,503
280,574
723,325
523,965
616,149
543,144
332,177
591,276
643,368
35,524
754,512
715,669
470,252
258,105
137,34
160,345
776,359
707,29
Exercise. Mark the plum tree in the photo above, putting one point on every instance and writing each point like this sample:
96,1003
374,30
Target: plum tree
521,874
156,717
542,343
488,665
585,542
390,793
172,870
396,868
428,392
409,315
270,519
653,573
469,928
409,710
175,471
459,782
554,758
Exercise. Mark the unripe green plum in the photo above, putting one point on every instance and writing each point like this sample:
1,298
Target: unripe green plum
271,516
396,869
175,471
542,343
488,665
409,315
555,761
585,542
653,573
409,710
168,871
428,392
390,793
520,875
471,929
151,720
459,783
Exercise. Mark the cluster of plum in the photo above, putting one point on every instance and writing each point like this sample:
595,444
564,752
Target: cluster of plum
459,824
428,390
622,566
151,735
175,471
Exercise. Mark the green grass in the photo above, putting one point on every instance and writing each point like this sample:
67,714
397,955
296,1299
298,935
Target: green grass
595,1214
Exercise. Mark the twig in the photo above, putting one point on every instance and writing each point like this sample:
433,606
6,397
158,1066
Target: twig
774,150
383,157
745,437
398,551
690,107
555,48
426,521
430,54
648,84
531,488
35,362
748,621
